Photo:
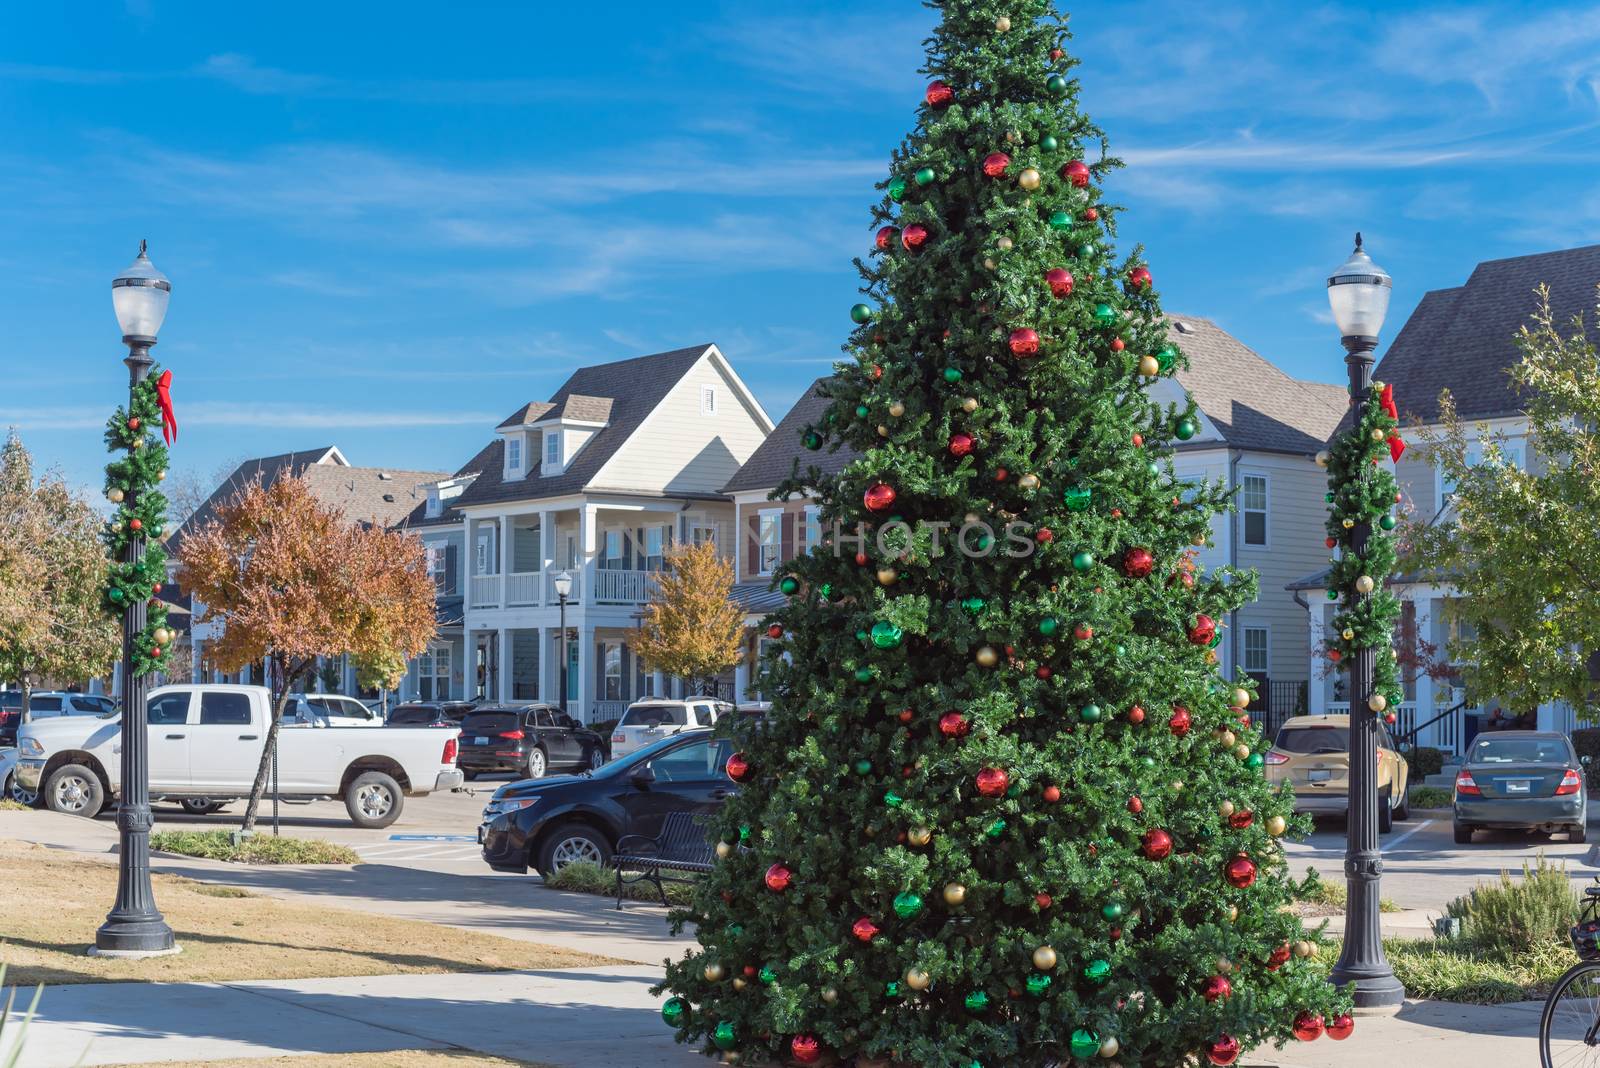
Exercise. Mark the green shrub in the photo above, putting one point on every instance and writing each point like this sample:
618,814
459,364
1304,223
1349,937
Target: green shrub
1450,970
1430,797
1586,740
585,878
1511,918
1424,760
257,849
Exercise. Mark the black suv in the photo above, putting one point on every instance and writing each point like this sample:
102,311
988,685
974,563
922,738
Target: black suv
429,714
527,740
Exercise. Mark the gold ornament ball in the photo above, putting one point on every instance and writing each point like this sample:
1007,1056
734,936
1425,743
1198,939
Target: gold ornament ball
829,995
1347,634
987,657
1149,366
1225,809
1377,702
1241,698
1376,435
917,979
730,1056
919,836
887,576
1227,738
1348,524
1029,481
724,850
1233,913
1364,584
1198,539
1241,751
1224,965
114,495
883,431
738,982
713,973
161,476
1276,825
1028,179
1177,786
1044,958
969,405
1002,24
1110,1047
1323,458
954,894
163,636
1211,657
989,264
1004,244
1305,948
896,410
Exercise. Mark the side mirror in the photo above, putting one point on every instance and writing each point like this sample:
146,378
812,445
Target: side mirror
643,777
1584,760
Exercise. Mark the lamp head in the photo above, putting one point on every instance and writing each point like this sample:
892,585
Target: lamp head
1358,292
139,295
563,584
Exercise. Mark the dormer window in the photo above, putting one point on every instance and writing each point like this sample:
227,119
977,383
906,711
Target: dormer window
435,504
514,454
552,448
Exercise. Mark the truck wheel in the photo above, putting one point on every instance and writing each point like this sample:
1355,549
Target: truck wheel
373,799
75,790
572,843
200,806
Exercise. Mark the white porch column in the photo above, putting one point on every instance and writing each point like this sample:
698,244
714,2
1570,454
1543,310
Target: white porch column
1317,688
547,555
580,707
741,679
588,532
1423,617
658,684
503,668
505,549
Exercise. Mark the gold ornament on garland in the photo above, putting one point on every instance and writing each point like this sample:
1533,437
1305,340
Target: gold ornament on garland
987,657
896,410
1276,825
954,894
1377,702
1002,24
1364,584
1044,958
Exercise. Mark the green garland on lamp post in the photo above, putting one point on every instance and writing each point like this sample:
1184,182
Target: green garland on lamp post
133,482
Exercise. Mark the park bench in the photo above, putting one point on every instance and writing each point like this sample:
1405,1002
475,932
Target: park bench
682,846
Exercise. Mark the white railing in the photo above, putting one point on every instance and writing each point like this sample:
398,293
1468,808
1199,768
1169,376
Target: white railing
604,710
522,588
550,597
1405,717
623,587
485,591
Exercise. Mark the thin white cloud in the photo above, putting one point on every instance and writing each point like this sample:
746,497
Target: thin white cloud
272,416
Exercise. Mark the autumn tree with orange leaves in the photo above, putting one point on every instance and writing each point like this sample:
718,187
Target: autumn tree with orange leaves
691,627
290,580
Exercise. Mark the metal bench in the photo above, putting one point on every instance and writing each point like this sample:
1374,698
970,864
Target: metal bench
682,846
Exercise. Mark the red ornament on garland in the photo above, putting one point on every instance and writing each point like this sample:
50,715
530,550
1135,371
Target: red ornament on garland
1341,1026
1157,844
1042,671
1331,542
133,424
960,444
1224,1049
1139,277
1241,819
739,768
914,237
906,714
1091,214
775,630
1308,1026
954,725
135,524
1138,561
993,782
1060,281
1044,535
1203,630
885,238
1043,900
1083,632
864,929
995,164
862,559
879,497
1024,341
1135,805
1056,54
939,95
805,1048
778,878
1135,715
1335,655
1076,172
1217,988
1240,871
1117,344
1180,722
1051,794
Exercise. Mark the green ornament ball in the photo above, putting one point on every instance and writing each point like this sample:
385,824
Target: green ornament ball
1060,221
892,988
1185,429
1105,314
1111,910
863,674
790,586
1049,142
860,313
1048,625
886,635
1087,250
1121,650
116,594
863,766
1082,560
1153,467
924,176
907,905
1254,761
768,975
1167,357
897,189
1089,713
1084,1044
1057,84
997,828
744,832
811,440
673,1010
1077,498
977,1001
1038,984
1328,497
972,604
1333,595
952,375
862,411
826,589
735,930
724,1036
861,635
1388,522
893,800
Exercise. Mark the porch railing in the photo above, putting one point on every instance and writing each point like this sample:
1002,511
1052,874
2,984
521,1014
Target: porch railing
550,598
1405,716
623,587
485,591
604,710
522,588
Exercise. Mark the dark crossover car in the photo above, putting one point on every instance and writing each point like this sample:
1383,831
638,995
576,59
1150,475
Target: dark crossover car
526,739
1521,780
550,823
429,713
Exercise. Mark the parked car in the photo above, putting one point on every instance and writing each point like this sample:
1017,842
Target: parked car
1312,755
1521,780
328,710
547,824
526,739
48,704
10,715
9,787
205,744
429,713
654,718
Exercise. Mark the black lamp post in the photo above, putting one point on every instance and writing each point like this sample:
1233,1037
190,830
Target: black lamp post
134,927
1359,293
563,584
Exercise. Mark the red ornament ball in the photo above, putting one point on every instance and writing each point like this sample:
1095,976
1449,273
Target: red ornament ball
1203,630
1139,277
1241,819
939,95
1224,1049
1042,671
1138,562
1157,844
1044,535
864,929
135,524
1135,806
960,444
1060,281
914,237
1180,722
805,1048
1217,988
954,725
775,630
1076,172
1043,900
993,782
155,650
1389,718
778,878
1051,794
1240,871
749,971
1331,542
1341,1026
1308,1026
1056,53
1024,341
1091,214
1335,655
1083,632
1000,474
862,559
995,164
906,714
885,238
133,424
739,768
1117,344
1135,715
879,497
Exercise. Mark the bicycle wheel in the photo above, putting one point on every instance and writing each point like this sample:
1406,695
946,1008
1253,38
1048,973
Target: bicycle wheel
1569,1027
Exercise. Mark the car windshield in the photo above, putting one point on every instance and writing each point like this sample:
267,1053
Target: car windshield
633,760
1313,740
1521,751
654,716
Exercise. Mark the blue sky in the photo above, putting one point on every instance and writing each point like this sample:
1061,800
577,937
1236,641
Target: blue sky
388,226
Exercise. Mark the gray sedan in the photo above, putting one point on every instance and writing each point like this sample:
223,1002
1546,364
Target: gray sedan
1521,780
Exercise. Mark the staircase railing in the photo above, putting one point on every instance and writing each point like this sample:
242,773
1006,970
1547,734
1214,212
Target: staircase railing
1408,740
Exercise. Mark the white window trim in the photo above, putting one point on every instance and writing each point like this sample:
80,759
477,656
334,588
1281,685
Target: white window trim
1244,649
762,516
1475,458
812,517
513,455
708,400
1266,510
552,465
435,504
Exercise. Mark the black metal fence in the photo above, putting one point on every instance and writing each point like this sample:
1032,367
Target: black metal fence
1276,701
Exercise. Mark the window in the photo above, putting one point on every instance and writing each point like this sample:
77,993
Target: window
435,503
654,540
1255,649
700,533
813,527
169,708
552,448
436,564
44,704
1253,507
514,453
769,541
694,762
433,674
611,657
613,551
708,400
1511,455
232,709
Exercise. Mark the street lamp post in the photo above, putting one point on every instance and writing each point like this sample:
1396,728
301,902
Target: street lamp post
135,927
563,584
1359,294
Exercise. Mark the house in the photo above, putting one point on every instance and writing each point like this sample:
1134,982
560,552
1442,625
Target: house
624,460
1460,339
364,494
1259,433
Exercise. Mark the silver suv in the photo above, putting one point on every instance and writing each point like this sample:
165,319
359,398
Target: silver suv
654,718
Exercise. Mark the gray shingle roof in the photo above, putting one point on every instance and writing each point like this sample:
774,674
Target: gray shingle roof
757,597
531,412
1253,404
1461,338
486,457
633,388
774,458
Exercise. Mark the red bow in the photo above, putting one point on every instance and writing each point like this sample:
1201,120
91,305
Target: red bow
1386,399
1396,447
169,422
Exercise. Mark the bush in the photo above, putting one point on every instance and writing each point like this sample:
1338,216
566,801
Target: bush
1430,797
1586,740
584,878
1452,971
1424,760
257,849
1510,919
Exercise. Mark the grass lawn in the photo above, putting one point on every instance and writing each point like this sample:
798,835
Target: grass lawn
1326,897
257,849
228,934
407,1058
8,805
1453,971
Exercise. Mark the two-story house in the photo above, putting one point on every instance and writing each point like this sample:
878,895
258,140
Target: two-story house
1461,339
1259,434
596,483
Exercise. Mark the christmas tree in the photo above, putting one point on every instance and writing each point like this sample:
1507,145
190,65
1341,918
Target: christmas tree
1004,811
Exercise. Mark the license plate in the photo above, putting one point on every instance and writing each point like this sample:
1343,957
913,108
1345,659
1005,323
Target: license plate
480,741
1520,786
1319,775
652,730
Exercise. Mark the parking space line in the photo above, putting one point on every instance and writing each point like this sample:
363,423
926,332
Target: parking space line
1389,846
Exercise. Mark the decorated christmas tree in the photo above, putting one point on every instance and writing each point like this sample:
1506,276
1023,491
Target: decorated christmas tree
1005,811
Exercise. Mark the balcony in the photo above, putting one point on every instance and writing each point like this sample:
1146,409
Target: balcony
522,589
623,587
484,591
532,589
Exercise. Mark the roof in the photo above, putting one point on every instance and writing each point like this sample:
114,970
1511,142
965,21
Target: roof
774,459
485,458
757,598
1463,339
631,389
1253,404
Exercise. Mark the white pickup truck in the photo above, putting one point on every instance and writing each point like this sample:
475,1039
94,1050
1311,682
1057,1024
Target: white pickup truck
205,746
